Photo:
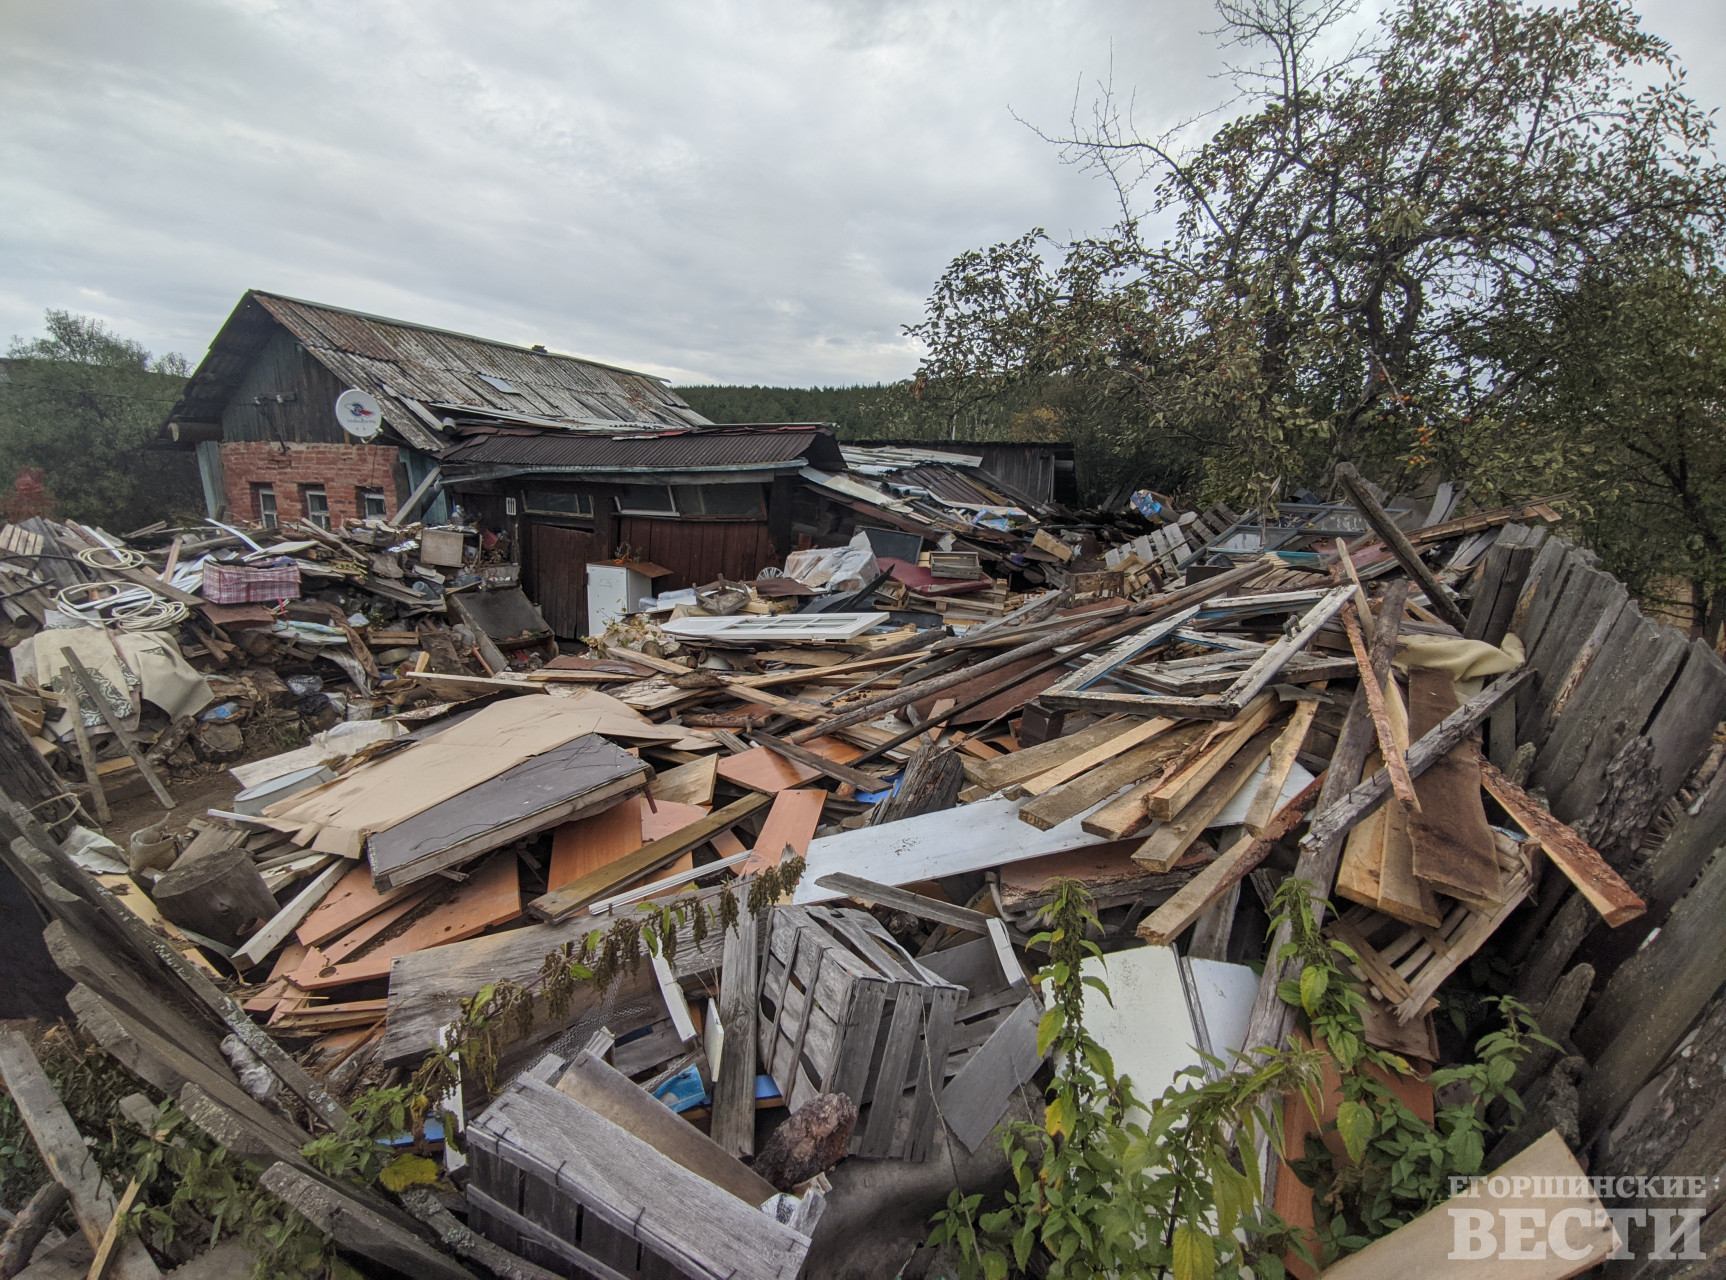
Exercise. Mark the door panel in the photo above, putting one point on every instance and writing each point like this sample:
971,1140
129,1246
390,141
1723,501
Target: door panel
559,576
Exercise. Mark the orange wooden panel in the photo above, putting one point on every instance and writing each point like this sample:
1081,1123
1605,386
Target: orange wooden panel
791,821
351,901
761,770
666,817
338,949
726,844
588,844
491,896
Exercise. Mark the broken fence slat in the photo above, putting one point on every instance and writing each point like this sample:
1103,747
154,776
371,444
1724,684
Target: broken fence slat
1604,888
1388,747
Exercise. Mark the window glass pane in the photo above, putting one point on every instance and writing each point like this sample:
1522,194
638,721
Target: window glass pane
266,505
646,499
558,502
371,504
721,499
317,507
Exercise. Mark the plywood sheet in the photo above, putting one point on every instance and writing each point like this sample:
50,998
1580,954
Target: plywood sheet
352,901
375,797
770,773
790,822
490,897
594,841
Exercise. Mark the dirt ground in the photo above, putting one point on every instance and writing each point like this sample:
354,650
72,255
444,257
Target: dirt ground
195,796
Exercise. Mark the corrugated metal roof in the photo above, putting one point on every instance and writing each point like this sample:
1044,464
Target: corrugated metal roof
712,449
397,361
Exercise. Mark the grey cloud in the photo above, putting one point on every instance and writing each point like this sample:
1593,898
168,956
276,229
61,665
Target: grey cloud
725,191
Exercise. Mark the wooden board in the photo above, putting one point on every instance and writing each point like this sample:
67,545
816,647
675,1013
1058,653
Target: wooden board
1090,789
690,783
759,769
1141,731
1401,892
353,901
1452,849
1177,791
597,840
69,1161
558,904
585,774
1019,766
790,822
1171,839
1604,888
490,897
1358,875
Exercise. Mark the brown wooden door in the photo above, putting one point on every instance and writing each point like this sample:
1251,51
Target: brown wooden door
698,551
559,577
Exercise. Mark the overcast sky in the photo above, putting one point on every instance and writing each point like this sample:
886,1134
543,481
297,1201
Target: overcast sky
710,190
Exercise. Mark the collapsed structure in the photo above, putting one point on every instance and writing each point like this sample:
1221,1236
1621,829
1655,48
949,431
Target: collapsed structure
718,924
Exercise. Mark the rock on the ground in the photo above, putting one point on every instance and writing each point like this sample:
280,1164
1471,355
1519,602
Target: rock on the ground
811,1141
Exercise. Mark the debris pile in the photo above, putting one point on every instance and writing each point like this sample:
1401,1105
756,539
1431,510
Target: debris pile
727,918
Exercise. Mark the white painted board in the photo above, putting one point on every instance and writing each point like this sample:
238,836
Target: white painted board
948,842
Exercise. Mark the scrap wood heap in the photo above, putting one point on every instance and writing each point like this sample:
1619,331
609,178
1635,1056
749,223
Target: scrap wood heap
745,889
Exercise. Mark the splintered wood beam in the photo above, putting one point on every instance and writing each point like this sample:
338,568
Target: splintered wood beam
562,903
1603,887
1387,744
63,1151
1437,743
1197,895
733,1125
1443,603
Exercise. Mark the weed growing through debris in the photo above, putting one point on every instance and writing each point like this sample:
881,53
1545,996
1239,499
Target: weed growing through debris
1097,1191
1397,1166
1100,1188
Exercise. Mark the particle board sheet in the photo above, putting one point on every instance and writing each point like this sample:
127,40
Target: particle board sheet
489,897
766,771
790,823
600,839
537,793
1480,1235
353,901
375,797
950,841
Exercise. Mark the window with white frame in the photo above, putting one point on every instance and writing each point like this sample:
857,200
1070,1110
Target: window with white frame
316,504
264,503
370,504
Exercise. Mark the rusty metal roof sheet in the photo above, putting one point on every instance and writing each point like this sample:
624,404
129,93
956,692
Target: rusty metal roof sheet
711,449
407,366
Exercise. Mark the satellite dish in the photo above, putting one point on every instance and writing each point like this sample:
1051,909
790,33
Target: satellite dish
358,414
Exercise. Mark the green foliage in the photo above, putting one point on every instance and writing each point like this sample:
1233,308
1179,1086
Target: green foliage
1398,1166
1105,1187
80,404
1400,258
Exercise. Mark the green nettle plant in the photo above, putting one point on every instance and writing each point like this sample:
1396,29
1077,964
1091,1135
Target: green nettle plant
1398,1166
1104,1186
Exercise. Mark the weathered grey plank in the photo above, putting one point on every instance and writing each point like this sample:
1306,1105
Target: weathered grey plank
977,1097
355,1226
67,1158
703,1229
739,999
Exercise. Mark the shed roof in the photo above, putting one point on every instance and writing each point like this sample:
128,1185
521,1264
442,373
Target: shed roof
777,446
410,366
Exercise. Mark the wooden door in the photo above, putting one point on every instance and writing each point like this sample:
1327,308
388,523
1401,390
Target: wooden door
559,576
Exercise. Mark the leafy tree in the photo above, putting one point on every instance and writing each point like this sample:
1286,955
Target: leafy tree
78,408
1379,258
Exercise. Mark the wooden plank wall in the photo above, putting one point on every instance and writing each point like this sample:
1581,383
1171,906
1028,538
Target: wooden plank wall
698,551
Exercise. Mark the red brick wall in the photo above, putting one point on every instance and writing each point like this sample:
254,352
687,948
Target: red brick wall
342,469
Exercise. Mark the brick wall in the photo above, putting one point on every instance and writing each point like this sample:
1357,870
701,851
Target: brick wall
341,469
